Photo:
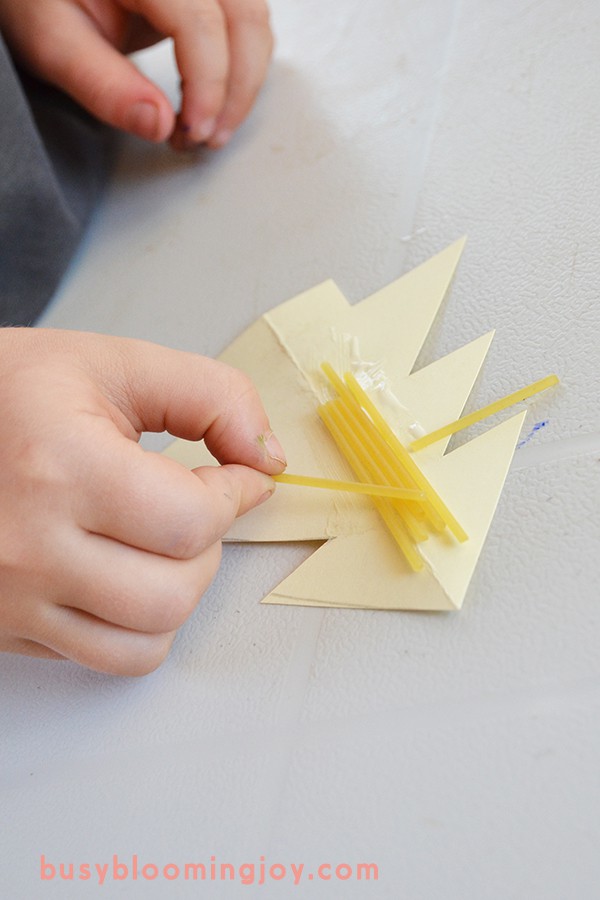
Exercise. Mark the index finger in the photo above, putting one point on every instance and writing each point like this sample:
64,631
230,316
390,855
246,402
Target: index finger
190,396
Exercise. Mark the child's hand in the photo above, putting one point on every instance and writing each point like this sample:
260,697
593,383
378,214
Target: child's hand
222,48
105,548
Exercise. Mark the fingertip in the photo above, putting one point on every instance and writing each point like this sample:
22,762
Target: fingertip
257,498
221,137
266,496
149,120
257,489
186,138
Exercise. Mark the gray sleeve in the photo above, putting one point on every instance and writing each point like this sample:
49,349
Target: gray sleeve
54,158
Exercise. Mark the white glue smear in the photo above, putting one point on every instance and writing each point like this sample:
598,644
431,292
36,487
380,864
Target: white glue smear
372,378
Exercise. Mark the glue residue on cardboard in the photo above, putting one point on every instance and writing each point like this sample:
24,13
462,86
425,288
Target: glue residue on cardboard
372,378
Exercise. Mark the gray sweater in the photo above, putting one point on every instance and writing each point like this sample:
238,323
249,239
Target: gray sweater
54,158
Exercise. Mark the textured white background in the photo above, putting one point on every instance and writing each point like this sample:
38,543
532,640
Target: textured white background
460,752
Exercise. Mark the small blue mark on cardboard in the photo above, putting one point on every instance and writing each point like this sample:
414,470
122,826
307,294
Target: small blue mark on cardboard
537,427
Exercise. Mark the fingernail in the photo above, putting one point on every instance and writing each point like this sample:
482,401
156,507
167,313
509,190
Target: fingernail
274,449
180,139
264,497
221,138
204,130
143,119
186,137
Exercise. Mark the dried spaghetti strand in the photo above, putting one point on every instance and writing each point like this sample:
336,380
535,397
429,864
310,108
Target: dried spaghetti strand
353,426
404,457
327,413
352,487
395,472
483,413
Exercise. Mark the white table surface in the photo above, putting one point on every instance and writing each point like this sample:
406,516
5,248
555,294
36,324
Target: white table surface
460,753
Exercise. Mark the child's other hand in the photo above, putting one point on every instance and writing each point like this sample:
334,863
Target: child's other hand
105,548
222,49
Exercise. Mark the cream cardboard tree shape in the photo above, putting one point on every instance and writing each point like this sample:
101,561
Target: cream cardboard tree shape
359,566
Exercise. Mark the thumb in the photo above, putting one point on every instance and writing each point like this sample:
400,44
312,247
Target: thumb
78,59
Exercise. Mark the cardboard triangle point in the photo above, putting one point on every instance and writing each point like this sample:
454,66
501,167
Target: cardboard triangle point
369,573
470,479
431,408
417,295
